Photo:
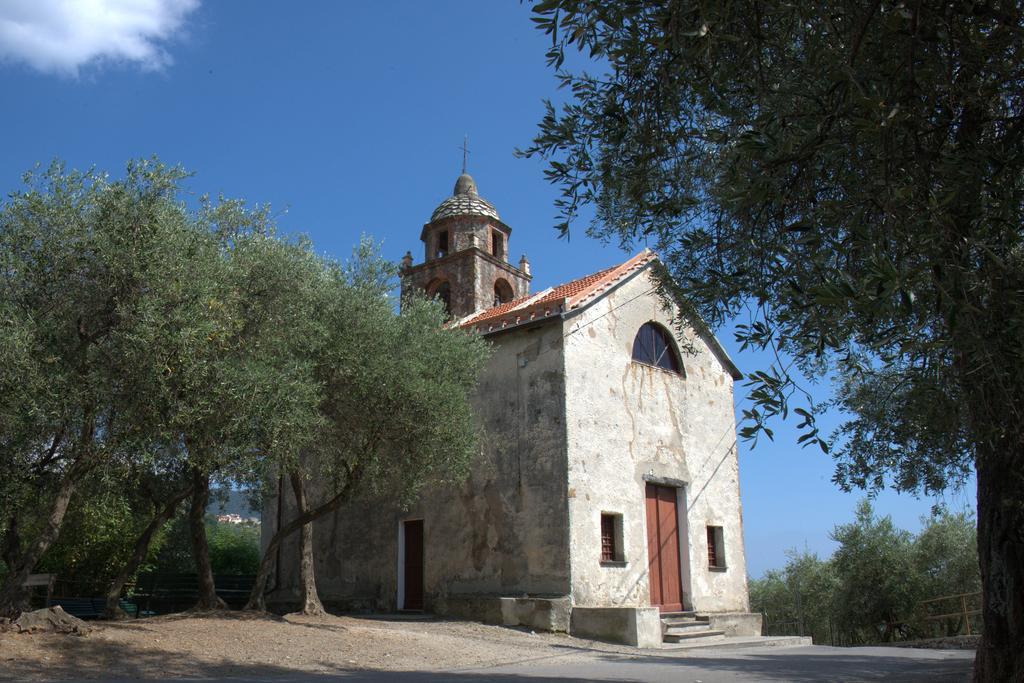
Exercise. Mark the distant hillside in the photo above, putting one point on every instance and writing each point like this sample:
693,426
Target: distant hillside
228,501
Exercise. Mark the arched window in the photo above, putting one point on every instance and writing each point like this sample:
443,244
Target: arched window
440,289
502,292
653,346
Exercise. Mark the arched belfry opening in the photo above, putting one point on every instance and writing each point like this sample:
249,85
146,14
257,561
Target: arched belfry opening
502,292
466,246
442,291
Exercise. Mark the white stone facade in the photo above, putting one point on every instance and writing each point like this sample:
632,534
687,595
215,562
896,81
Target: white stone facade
629,423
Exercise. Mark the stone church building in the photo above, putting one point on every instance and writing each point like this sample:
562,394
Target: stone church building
606,501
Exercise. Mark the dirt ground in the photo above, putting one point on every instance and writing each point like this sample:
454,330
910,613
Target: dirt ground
236,644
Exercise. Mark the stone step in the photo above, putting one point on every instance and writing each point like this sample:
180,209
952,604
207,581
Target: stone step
690,627
690,636
679,621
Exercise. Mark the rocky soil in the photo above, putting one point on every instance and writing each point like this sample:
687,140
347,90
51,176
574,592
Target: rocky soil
51,620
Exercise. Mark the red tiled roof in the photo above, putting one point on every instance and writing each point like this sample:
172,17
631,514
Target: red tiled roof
554,300
571,289
498,311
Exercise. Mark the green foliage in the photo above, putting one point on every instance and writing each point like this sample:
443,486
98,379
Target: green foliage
144,340
104,285
850,173
945,555
385,379
851,176
874,565
871,588
173,555
799,599
234,548
96,537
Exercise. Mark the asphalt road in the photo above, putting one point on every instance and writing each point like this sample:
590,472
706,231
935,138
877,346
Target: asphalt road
794,664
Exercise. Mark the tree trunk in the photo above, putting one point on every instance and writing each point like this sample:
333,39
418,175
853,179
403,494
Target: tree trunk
113,609
13,596
986,342
200,549
308,596
1001,556
12,543
256,598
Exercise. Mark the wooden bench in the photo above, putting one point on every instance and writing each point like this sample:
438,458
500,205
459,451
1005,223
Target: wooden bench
92,608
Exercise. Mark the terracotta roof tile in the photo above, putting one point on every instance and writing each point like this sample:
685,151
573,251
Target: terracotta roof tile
556,299
571,289
498,311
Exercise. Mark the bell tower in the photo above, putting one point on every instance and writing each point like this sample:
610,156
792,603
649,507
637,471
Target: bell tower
465,251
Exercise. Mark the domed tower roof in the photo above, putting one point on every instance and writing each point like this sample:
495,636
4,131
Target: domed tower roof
464,202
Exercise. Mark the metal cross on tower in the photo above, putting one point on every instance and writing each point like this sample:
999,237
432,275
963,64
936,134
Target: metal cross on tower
465,151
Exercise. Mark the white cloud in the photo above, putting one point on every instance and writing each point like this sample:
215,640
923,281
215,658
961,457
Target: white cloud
61,36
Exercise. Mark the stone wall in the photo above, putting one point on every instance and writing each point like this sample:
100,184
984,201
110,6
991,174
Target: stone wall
460,273
469,266
628,423
637,626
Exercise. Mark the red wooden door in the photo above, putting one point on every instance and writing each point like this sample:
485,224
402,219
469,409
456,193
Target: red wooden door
413,565
663,548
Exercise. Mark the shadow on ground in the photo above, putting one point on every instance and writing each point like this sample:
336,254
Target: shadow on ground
87,658
802,664
90,659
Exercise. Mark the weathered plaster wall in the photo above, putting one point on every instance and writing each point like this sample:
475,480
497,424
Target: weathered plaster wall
352,548
626,421
504,532
508,531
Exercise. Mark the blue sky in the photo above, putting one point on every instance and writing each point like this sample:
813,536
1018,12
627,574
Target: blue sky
347,119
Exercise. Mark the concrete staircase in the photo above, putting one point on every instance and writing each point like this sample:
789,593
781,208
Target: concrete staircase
688,627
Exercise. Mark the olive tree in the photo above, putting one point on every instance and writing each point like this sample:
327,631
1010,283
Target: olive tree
90,271
878,585
383,378
250,398
799,598
141,336
852,173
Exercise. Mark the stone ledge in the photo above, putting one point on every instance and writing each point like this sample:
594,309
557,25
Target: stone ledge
734,623
637,626
540,614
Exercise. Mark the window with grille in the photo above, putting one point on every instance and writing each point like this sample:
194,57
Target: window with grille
716,548
611,538
653,346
